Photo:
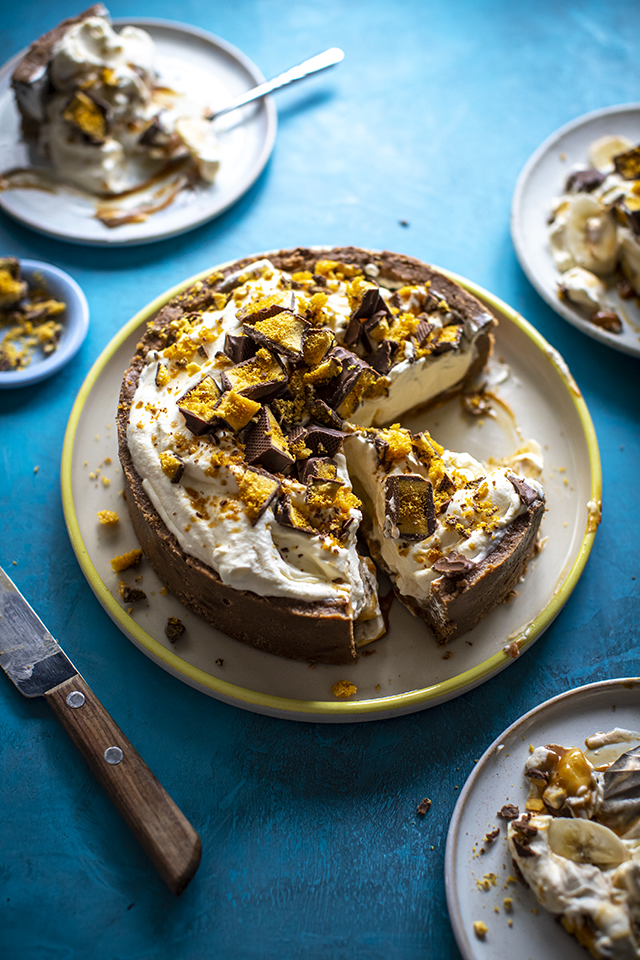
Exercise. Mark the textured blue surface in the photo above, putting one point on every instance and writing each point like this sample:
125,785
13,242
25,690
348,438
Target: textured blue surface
312,848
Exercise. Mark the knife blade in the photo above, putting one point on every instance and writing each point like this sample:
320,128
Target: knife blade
38,667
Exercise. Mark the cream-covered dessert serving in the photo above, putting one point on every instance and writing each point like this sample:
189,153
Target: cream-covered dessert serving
577,846
594,231
92,105
257,400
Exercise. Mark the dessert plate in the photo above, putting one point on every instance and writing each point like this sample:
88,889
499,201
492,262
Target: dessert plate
542,179
406,671
477,883
189,60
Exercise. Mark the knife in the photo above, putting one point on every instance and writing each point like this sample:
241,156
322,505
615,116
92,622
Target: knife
36,664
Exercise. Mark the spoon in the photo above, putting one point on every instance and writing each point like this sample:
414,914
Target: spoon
320,62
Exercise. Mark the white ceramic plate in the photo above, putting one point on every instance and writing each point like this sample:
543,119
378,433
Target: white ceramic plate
543,178
407,670
188,59
497,779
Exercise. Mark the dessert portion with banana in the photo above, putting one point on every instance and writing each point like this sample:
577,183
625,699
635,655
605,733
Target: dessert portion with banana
92,105
577,846
594,231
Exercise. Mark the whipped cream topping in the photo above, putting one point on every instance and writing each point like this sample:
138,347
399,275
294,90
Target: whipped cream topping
589,237
205,511
471,526
107,126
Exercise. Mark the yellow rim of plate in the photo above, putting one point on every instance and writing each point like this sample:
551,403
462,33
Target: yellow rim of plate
403,702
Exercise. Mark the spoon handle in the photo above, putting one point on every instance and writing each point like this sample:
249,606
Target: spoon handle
320,62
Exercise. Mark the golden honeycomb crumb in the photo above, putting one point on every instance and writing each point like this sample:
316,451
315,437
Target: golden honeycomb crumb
344,689
108,517
126,560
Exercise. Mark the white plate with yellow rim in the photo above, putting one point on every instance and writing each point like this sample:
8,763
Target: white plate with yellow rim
190,61
406,671
542,178
477,884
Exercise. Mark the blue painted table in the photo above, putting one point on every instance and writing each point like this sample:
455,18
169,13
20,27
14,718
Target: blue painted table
312,848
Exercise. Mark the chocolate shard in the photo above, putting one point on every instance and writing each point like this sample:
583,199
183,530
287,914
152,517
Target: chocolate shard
454,566
409,508
197,405
289,516
172,466
345,392
259,378
235,410
422,332
627,164
269,306
239,348
384,357
508,812
266,444
317,344
258,489
283,332
526,493
324,441
323,467
132,594
371,303
322,412
607,320
448,339
584,181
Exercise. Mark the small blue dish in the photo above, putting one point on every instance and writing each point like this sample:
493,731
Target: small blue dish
75,323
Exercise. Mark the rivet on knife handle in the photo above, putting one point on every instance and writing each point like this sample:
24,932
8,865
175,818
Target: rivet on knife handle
160,826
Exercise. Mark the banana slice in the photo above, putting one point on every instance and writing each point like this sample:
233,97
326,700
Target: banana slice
585,841
602,152
591,236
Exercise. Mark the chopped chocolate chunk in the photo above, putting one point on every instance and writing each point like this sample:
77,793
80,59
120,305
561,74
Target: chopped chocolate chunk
322,412
538,775
370,303
172,466
239,348
323,467
235,409
423,806
322,491
508,812
409,508
259,378
584,181
345,391
627,164
132,594
289,516
448,339
269,306
422,332
257,489
317,344
198,403
88,115
174,629
607,320
454,566
526,493
492,835
266,444
384,357
284,332
324,441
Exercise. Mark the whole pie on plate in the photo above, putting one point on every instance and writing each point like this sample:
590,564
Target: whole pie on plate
260,440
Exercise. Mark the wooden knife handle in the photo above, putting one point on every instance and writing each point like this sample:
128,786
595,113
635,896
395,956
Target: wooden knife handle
163,830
